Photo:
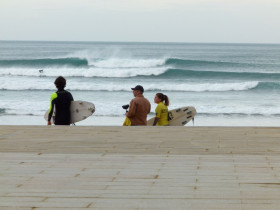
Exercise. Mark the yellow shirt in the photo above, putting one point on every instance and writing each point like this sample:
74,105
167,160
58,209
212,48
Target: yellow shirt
127,122
162,114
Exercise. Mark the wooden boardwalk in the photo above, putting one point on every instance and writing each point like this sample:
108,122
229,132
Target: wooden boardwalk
139,167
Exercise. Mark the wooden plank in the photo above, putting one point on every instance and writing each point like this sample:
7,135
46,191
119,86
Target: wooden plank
139,168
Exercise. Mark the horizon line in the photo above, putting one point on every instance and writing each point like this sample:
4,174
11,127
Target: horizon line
154,42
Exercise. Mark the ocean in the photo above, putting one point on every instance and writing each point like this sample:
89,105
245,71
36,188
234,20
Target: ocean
228,84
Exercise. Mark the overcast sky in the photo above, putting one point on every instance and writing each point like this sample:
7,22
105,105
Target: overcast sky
234,21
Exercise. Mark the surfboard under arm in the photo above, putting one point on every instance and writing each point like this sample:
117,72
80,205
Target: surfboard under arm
178,117
79,110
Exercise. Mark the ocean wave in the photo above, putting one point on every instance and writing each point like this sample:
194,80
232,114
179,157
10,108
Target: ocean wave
228,111
128,63
228,115
158,72
83,72
101,85
83,62
189,63
2,111
131,67
205,87
206,64
103,109
264,114
173,73
45,62
86,61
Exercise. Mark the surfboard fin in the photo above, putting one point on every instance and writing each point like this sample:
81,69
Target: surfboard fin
193,121
91,109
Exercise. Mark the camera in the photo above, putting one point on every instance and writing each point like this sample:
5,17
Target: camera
125,106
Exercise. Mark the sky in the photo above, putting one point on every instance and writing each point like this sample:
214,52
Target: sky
210,21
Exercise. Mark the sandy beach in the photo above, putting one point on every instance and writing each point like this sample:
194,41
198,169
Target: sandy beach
139,167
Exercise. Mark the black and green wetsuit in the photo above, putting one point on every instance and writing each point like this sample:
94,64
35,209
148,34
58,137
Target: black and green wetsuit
61,100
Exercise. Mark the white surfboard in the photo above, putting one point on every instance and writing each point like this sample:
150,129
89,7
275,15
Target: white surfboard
178,117
79,110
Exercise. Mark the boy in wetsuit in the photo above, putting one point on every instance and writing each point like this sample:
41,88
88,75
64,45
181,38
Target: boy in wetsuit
61,100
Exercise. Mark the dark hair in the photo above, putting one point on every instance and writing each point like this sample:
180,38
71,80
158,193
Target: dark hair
164,98
60,83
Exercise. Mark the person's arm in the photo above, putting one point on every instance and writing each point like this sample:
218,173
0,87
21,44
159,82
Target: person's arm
53,97
155,122
71,97
132,109
158,113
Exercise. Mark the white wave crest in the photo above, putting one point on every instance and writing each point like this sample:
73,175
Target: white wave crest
204,87
115,57
29,83
76,72
129,63
257,109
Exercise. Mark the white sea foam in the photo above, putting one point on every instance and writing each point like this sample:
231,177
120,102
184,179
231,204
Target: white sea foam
30,107
126,72
115,57
240,109
129,63
83,72
43,83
